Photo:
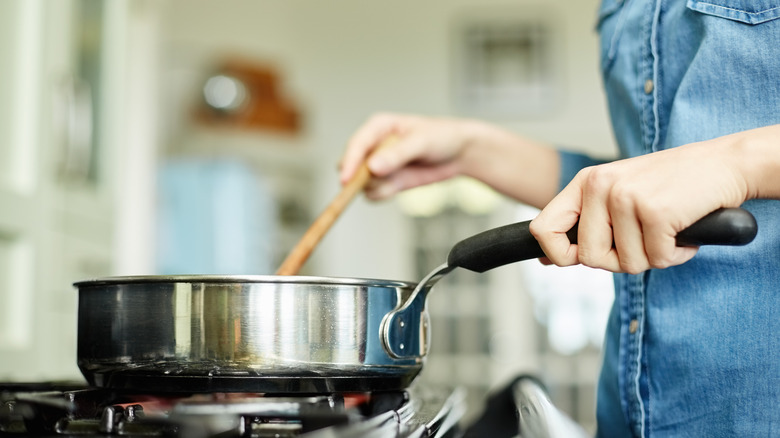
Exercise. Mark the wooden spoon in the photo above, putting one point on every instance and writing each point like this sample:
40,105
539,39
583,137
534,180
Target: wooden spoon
300,253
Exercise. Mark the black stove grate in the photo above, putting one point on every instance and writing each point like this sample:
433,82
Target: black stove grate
74,410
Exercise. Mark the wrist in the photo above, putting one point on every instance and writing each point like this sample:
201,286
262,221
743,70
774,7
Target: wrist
523,169
483,146
757,153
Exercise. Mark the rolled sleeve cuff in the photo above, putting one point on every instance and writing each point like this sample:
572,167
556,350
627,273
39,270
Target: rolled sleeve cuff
571,163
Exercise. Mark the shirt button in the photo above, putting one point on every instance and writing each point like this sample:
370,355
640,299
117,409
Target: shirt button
649,86
633,326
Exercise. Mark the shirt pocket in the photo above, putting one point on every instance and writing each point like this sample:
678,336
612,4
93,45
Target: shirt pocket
610,24
744,11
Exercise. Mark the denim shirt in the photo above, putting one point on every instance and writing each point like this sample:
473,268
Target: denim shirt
693,350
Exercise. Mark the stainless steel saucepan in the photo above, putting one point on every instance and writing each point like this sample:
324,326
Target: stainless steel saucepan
291,334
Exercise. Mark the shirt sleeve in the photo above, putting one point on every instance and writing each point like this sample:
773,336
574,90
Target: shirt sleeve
573,162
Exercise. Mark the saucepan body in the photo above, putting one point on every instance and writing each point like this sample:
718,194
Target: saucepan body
271,334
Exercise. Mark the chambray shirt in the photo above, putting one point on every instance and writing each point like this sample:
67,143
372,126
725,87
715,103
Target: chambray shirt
693,350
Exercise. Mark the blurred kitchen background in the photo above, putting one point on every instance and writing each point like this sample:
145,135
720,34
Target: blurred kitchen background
200,137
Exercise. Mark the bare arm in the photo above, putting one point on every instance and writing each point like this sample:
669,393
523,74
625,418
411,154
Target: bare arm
435,149
629,211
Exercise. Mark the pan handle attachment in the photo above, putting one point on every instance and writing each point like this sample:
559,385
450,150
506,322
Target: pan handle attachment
405,330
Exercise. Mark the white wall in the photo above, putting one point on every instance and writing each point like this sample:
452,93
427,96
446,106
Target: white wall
345,59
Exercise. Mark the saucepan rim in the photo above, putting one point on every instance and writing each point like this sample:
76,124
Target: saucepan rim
248,279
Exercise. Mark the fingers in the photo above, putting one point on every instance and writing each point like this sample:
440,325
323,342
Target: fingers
407,178
550,226
628,241
367,138
660,244
595,236
406,143
403,151
618,230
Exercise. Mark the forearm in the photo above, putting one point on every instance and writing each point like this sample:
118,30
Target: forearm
757,155
525,170
630,211
427,150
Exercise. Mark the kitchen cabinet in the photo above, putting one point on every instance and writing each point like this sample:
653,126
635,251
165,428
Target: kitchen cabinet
63,112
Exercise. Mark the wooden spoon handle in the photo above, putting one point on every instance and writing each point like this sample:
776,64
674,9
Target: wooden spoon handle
300,253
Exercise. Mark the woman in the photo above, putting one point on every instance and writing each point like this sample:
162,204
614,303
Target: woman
693,340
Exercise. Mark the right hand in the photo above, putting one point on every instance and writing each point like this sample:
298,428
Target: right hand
427,150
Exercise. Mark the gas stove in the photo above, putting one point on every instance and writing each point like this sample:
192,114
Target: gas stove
519,409
74,409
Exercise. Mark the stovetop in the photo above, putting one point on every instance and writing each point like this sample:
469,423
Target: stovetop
74,409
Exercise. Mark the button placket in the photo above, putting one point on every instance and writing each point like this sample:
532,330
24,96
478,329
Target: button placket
649,86
634,320
633,326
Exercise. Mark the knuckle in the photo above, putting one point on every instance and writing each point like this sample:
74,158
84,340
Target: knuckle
660,262
599,178
384,120
586,257
623,198
597,259
655,217
632,267
563,262
562,259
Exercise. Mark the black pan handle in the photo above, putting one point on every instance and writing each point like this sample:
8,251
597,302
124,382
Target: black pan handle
513,243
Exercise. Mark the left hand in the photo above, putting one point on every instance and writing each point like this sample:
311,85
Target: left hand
630,211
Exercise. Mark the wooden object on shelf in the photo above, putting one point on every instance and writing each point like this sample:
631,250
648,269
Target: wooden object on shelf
247,95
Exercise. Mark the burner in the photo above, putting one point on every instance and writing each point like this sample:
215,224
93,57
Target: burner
70,410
